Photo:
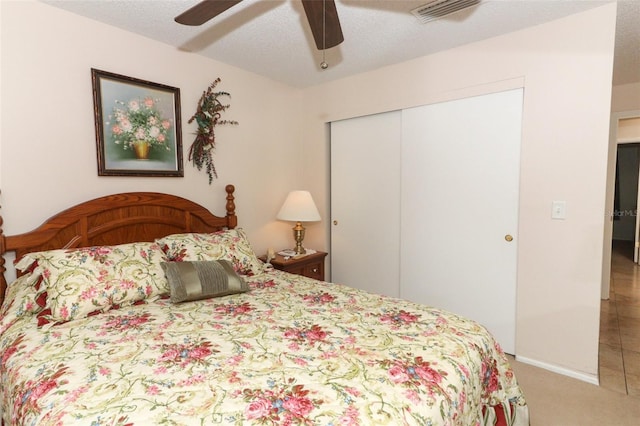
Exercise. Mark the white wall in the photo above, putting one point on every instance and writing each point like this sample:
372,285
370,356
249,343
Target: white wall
629,129
625,97
565,67
47,137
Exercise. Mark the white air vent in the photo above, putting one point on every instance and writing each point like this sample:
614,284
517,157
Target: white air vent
436,9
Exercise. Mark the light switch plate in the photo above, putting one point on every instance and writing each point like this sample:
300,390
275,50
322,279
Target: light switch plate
559,210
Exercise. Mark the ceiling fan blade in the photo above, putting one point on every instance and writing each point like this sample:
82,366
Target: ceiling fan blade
326,35
203,11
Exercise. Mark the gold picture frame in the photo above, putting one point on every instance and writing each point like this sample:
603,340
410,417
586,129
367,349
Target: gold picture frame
138,126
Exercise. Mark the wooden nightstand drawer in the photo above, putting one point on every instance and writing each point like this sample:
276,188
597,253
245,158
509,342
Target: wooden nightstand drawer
311,265
314,270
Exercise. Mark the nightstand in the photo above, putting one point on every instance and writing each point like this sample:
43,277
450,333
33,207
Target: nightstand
310,265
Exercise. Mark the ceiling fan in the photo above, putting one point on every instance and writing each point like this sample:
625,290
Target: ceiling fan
322,17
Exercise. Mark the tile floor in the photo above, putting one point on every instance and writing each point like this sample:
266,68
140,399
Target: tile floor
620,325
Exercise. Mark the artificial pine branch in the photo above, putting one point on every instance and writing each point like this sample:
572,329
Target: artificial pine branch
207,116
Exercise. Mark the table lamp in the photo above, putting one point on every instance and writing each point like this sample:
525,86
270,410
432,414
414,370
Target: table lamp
299,207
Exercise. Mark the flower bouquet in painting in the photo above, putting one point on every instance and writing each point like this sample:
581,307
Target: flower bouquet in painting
138,126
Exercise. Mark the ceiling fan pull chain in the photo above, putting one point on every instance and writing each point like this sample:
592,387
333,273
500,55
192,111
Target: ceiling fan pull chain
324,65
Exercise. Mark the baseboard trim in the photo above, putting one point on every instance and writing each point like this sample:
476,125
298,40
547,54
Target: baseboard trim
589,378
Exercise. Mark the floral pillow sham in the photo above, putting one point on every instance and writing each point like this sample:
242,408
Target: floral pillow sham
80,282
232,245
20,300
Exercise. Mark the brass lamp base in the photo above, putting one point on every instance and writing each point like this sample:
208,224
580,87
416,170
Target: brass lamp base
298,235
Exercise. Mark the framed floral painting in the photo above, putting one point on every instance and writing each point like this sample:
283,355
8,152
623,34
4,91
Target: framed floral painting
138,128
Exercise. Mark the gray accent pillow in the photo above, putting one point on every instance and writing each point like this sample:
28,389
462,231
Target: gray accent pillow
202,279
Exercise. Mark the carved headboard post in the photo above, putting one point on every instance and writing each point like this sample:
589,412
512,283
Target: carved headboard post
231,206
3,280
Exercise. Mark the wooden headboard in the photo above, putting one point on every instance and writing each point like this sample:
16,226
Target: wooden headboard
116,219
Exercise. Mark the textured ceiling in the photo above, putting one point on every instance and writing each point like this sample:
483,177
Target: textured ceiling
272,37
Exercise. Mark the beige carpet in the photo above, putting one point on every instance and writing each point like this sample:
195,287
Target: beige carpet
557,400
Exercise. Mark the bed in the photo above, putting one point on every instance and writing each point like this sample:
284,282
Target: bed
145,308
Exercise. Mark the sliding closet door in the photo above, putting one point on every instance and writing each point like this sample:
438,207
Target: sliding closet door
460,177
365,202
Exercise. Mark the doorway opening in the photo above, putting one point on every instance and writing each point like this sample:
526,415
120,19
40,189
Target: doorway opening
618,352
625,233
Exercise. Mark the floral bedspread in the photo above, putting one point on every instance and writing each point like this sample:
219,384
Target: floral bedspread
292,351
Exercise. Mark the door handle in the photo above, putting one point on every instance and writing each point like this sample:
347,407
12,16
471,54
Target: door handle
508,238
335,222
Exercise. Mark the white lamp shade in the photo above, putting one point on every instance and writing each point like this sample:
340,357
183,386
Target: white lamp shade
299,207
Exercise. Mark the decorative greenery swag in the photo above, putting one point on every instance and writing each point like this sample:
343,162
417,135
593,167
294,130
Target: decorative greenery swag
207,116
